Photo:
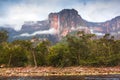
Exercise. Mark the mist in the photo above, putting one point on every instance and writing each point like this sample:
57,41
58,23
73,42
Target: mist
51,31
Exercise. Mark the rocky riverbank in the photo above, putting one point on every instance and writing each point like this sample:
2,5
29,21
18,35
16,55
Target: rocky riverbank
53,71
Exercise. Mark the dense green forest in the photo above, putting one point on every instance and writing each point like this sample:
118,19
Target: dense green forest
78,49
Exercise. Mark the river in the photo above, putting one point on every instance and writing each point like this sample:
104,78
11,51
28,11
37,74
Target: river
105,77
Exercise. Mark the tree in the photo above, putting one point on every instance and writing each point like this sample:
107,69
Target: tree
115,56
59,55
28,46
3,36
102,51
79,46
18,56
4,53
41,51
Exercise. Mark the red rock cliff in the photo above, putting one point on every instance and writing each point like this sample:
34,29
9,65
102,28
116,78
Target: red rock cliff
65,20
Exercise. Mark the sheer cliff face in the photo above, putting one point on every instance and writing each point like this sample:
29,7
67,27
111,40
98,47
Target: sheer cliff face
68,19
112,25
54,21
64,21
31,26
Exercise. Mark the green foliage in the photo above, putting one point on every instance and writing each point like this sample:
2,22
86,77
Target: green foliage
18,56
27,46
4,53
3,36
42,50
59,55
77,49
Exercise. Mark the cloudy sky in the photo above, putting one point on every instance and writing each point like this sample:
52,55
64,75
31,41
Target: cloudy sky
15,12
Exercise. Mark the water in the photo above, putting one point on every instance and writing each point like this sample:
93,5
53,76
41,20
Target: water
107,77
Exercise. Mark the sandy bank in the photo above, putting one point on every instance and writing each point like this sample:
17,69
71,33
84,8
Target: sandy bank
52,71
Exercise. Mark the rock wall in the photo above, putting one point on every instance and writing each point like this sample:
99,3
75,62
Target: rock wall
64,21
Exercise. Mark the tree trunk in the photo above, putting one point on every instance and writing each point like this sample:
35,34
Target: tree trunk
9,62
34,58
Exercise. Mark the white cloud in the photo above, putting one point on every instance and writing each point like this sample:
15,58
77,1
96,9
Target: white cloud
99,34
17,14
20,13
33,10
99,11
50,31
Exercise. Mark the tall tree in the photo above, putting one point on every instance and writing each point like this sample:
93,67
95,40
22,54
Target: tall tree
3,36
41,51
